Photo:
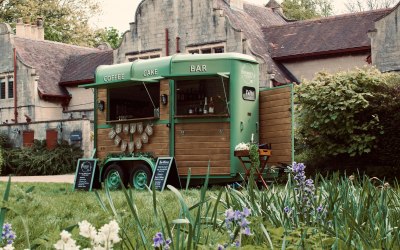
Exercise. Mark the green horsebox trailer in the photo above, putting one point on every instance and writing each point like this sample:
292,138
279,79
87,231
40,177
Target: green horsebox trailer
194,108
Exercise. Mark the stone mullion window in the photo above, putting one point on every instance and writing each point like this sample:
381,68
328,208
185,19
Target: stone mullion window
10,88
2,88
207,49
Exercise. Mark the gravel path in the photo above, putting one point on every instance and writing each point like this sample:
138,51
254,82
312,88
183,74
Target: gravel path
69,178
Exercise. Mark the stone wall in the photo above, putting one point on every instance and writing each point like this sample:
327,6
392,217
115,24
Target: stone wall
193,21
385,42
63,127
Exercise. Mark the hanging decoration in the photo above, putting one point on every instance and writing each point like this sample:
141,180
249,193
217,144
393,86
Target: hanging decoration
149,130
144,138
125,129
112,134
138,143
117,140
132,128
122,134
131,146
140,127
118,128
123,145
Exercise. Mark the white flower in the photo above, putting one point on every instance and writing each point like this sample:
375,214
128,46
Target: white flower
242,146
8,247
87,230
66,242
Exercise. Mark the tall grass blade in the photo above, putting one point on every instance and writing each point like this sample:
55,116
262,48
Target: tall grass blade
3,210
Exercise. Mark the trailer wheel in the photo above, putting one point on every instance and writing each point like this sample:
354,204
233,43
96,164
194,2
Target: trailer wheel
114,176
140,177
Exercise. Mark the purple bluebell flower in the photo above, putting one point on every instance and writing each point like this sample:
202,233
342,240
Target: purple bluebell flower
238,215
287,209
320,209
237,243
229,214
244,223
220,247
8,234
246,212
158,240
247,231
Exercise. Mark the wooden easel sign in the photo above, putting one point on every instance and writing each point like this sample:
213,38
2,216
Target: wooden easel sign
84,175
165,172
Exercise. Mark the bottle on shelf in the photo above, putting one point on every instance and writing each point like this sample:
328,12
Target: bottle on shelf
200,109
211,106
205,108
190,110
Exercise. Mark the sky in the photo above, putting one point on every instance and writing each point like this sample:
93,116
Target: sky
119,13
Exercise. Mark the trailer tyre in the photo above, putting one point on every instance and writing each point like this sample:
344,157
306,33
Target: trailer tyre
140,177
114,176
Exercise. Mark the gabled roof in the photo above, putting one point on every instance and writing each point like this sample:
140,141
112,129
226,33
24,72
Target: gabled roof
81,68
250,21
49,59
324,36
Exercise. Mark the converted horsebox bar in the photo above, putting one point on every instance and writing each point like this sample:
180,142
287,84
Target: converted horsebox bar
195,108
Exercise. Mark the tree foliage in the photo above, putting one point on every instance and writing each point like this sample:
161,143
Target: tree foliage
306,9
65,21
364,5
346,113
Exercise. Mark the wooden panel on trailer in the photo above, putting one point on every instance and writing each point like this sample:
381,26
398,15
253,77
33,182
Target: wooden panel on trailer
164,90
276,123
158,142
102,115
198,143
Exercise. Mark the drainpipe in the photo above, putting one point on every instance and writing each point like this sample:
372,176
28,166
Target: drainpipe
177,44
166,42
15,87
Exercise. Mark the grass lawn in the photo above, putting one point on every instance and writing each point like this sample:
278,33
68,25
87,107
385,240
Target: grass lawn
334,213
51,207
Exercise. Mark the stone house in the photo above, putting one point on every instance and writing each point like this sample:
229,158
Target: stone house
385,41
330,44
39,85
287,50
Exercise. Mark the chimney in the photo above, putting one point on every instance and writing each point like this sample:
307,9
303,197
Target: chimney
40,29
26,30
33,32
20,28
235,4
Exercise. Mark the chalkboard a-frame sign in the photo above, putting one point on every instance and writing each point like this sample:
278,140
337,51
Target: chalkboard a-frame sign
165,172
84,175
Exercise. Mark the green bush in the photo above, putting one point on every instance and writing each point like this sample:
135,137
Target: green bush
349,118
37,160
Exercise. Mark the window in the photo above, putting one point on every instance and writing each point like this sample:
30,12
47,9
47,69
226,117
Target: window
134,102
144,56
6,87
2,89
191,96
207,49
10,88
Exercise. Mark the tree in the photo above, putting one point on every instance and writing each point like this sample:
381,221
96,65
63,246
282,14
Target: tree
306,9
110,35
363,5
65,21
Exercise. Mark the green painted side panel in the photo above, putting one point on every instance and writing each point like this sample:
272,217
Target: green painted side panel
107,74
244,113
171,120
151,69
199,67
